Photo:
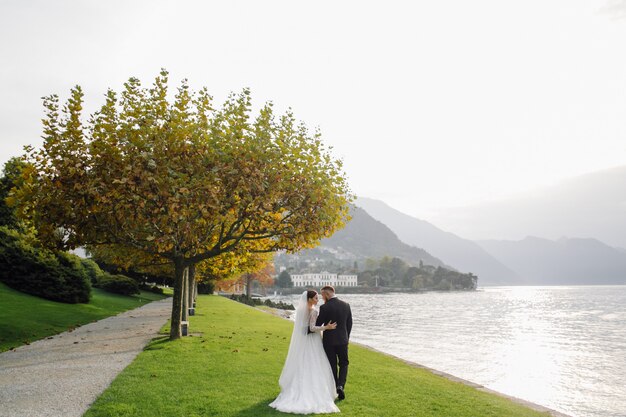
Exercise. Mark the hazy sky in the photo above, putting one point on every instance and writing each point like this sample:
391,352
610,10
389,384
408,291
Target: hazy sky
431,104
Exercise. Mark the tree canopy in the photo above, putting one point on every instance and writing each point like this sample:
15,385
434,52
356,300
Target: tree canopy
183,181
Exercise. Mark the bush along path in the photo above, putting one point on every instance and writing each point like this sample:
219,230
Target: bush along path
231,363
62,375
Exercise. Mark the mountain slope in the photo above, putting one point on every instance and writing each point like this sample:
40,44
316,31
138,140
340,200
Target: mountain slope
366,237
561,262
463,254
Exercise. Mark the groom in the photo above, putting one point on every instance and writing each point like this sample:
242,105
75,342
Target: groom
336,341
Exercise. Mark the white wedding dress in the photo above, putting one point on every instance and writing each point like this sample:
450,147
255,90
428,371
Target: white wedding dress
307,385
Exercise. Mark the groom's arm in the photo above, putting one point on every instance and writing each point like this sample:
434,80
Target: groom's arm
349,321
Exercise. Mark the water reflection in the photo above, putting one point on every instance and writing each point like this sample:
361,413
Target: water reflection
563,347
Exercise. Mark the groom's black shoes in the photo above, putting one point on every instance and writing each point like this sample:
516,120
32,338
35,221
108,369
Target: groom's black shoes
340,392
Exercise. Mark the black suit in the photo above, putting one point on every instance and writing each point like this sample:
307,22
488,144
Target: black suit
336,341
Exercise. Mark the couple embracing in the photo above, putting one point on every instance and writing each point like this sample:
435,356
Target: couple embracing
310,382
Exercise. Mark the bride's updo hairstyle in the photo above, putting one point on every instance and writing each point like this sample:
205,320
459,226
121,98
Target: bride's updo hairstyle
310,294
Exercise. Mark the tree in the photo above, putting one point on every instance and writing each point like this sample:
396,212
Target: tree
371,264
399,268
11,177
258,268
284,280
418,282
262,276
386,262
182,181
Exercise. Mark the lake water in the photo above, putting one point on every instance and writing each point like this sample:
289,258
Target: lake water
561,347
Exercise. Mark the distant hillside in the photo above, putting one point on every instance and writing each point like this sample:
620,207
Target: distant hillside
462,254
366,237
562,262
590,206
362,238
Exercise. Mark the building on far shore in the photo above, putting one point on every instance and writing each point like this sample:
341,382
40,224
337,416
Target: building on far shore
323,278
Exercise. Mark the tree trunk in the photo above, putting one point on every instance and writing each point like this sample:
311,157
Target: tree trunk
177,299
186,295
249,286
191,278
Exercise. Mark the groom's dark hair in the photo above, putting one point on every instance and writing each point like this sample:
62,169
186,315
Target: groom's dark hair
328,288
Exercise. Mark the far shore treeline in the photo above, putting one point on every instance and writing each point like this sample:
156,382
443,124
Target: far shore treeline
395,273
177,187
386,274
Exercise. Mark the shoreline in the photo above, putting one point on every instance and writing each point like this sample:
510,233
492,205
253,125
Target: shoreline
390,290
450,377
361,290
536,407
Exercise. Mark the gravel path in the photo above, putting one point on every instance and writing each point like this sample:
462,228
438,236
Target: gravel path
63,375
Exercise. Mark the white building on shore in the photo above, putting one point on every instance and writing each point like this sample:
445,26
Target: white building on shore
324,278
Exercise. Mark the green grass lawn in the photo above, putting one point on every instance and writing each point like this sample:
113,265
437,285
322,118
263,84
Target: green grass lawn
25,318
231,364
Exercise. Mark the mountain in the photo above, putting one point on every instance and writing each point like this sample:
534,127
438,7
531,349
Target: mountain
362,238
591,206
561,262
366,237
462,254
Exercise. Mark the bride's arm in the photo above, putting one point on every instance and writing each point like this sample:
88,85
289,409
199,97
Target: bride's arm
312,318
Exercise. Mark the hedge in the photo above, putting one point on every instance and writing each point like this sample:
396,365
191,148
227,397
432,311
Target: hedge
92,269
27,268
118,284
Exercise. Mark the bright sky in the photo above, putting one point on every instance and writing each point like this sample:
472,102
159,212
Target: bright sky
430,104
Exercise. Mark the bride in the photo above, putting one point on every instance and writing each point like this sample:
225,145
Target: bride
307,385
